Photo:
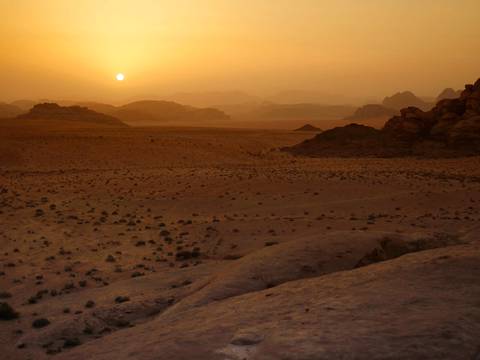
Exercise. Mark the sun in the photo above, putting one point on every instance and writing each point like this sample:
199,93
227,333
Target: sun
120,77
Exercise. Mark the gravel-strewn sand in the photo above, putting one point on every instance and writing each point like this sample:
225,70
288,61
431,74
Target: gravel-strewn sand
168,243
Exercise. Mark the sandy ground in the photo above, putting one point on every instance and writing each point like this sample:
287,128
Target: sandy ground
170,243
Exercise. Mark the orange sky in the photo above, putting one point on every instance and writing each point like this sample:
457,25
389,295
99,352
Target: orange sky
67,49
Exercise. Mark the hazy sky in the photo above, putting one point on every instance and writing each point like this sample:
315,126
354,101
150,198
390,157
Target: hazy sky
74,48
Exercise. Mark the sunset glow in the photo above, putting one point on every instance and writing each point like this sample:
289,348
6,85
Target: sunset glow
354,48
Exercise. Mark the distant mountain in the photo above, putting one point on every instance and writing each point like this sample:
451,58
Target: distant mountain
308,127
25,105
158,112
9,111
99,107
449,93
308,112
371,111
55,112
405,99
305,96
212,99
153,112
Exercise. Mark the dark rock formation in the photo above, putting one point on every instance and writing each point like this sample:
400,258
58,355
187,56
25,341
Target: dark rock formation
451,128
452,122
308,127
466,134
410,125
52,111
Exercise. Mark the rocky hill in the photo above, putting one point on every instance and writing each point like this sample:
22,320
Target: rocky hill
55,112
451,128
347,141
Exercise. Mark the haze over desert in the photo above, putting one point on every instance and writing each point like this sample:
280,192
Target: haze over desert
239,180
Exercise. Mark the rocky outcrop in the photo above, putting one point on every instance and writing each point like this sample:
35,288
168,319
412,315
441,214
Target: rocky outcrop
452,122
412,124
52,111
466,133
451,128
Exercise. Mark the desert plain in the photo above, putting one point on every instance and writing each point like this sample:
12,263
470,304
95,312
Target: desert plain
204,243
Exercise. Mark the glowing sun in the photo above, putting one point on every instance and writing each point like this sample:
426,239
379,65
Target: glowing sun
120,77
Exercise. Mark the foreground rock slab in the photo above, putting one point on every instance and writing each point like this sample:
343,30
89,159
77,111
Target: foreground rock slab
420,306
